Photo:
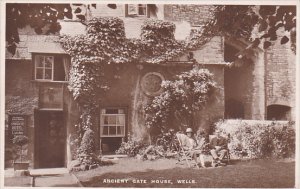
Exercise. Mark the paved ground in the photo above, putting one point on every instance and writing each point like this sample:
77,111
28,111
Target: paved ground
57,177
61,180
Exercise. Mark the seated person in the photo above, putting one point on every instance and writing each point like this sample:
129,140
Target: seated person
218,146
190,144
196,146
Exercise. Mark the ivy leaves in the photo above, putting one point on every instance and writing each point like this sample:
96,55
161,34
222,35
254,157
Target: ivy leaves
43,18
240,20
158,41
273,18
104,43
187,94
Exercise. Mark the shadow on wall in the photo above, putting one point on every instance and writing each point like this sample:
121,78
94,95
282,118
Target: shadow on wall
234,109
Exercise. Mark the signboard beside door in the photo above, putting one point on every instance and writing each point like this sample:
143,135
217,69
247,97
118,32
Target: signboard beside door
17,125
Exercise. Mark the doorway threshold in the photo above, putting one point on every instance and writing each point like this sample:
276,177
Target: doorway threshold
48,171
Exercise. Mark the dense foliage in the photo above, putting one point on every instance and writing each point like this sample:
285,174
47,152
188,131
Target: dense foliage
86,151
239,21
229,20
260,139
104,43
132,147
166,146
18,15
184,96
158,41
42,17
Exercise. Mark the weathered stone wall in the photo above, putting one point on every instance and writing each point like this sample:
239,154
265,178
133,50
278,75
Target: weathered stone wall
258,87
21,97
238,87
210,53
281,74
195,14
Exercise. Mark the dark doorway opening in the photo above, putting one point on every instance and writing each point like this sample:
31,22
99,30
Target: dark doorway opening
50,139
110,145
234,109
278,112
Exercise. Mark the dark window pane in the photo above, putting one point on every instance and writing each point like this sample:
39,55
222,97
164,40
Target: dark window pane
112,131
112,120
112,111
39,73
39,61
142,9
59,70
105,130
48,61
48,73
119,130
105,119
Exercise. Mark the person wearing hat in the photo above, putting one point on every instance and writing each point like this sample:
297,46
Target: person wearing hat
189,144
190,141
218,147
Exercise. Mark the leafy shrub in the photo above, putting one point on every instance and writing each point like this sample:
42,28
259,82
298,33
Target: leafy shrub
185,95
132,147
86,150
259,139
168,141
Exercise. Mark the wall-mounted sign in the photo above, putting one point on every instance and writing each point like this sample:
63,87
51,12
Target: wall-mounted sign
51,96
151,83
17,125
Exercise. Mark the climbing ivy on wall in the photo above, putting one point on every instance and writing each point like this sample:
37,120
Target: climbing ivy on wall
105,43
184,96
158,41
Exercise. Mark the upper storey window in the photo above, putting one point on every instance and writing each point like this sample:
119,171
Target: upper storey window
51,67
137,10
44,67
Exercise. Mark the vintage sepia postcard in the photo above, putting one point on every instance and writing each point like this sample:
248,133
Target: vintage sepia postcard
149,94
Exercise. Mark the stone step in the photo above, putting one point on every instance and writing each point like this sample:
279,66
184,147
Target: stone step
114,156
48,171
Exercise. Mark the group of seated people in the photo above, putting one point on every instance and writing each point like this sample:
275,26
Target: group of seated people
200,144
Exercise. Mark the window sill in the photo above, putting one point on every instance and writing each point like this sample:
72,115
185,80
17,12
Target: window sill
49,81
111,136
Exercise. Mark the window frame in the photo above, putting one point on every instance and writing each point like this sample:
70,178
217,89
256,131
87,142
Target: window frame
65,61
116,125
44,68
137,6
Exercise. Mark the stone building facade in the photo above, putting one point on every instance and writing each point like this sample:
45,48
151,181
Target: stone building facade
251,91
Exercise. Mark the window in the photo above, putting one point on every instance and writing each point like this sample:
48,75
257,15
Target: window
112,122
44,67
137,10
51,67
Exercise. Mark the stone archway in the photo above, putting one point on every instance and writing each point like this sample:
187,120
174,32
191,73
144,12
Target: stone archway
278,112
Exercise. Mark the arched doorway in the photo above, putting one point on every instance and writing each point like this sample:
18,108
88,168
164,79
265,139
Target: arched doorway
278,112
